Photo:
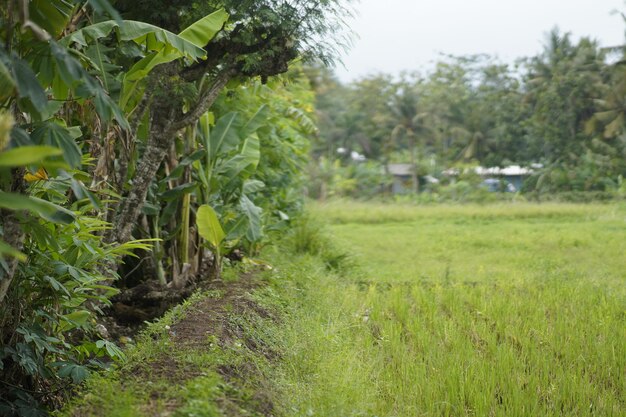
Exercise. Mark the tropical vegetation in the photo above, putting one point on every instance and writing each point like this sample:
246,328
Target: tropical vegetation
140,149
155,151
558,113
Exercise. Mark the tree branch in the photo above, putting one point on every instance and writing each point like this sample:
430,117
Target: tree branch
204,102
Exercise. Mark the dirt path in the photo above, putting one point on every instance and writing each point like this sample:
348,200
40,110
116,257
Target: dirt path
212,359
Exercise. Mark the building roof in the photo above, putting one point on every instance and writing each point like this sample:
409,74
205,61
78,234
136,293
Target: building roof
511,170
400,170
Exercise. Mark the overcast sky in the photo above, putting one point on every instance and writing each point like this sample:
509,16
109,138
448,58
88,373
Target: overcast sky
397,35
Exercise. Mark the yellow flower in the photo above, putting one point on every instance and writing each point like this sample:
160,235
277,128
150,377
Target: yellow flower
41,174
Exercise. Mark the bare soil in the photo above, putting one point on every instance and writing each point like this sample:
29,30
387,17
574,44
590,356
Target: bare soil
208,322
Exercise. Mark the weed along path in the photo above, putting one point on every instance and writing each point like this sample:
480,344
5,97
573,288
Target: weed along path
515,310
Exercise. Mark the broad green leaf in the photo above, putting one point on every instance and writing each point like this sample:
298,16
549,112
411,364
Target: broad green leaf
112,350
244,163
153,38
75,319
256,121
76,372
132,86
51,15
43,208
253,213
27,84
252,186
104,7
177,192
224,136
143,67
51,133
199,34
203,30
209,226
237,229
27,155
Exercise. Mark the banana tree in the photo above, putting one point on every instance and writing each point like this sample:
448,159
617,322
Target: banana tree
221,158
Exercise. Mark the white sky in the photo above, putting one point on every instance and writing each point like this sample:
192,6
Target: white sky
397,35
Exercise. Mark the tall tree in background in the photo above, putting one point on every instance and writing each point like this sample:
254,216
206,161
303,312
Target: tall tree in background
411,124
561,85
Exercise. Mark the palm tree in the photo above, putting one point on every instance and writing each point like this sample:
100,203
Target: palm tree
410,125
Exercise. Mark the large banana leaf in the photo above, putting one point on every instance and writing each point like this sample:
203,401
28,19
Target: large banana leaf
244,163
198,34
153,38
51,15
224,137
258,120
203,30
209,226
253,213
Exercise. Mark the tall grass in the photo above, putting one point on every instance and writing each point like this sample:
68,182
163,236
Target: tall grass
507,310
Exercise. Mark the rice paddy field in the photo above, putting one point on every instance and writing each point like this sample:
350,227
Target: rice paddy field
504,310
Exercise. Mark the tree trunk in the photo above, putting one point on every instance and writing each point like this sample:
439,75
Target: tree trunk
13,235
164,126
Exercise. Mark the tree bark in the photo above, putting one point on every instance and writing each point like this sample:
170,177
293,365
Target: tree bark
13,235
164,126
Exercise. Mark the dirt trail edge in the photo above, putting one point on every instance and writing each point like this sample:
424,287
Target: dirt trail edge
208,357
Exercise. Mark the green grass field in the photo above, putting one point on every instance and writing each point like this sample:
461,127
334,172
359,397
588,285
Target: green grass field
504,310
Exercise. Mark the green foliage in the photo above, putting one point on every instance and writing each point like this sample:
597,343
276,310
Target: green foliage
95,106
48,328
209,226
493,291
561,109
308,236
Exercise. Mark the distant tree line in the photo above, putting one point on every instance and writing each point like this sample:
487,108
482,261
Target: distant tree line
564,109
